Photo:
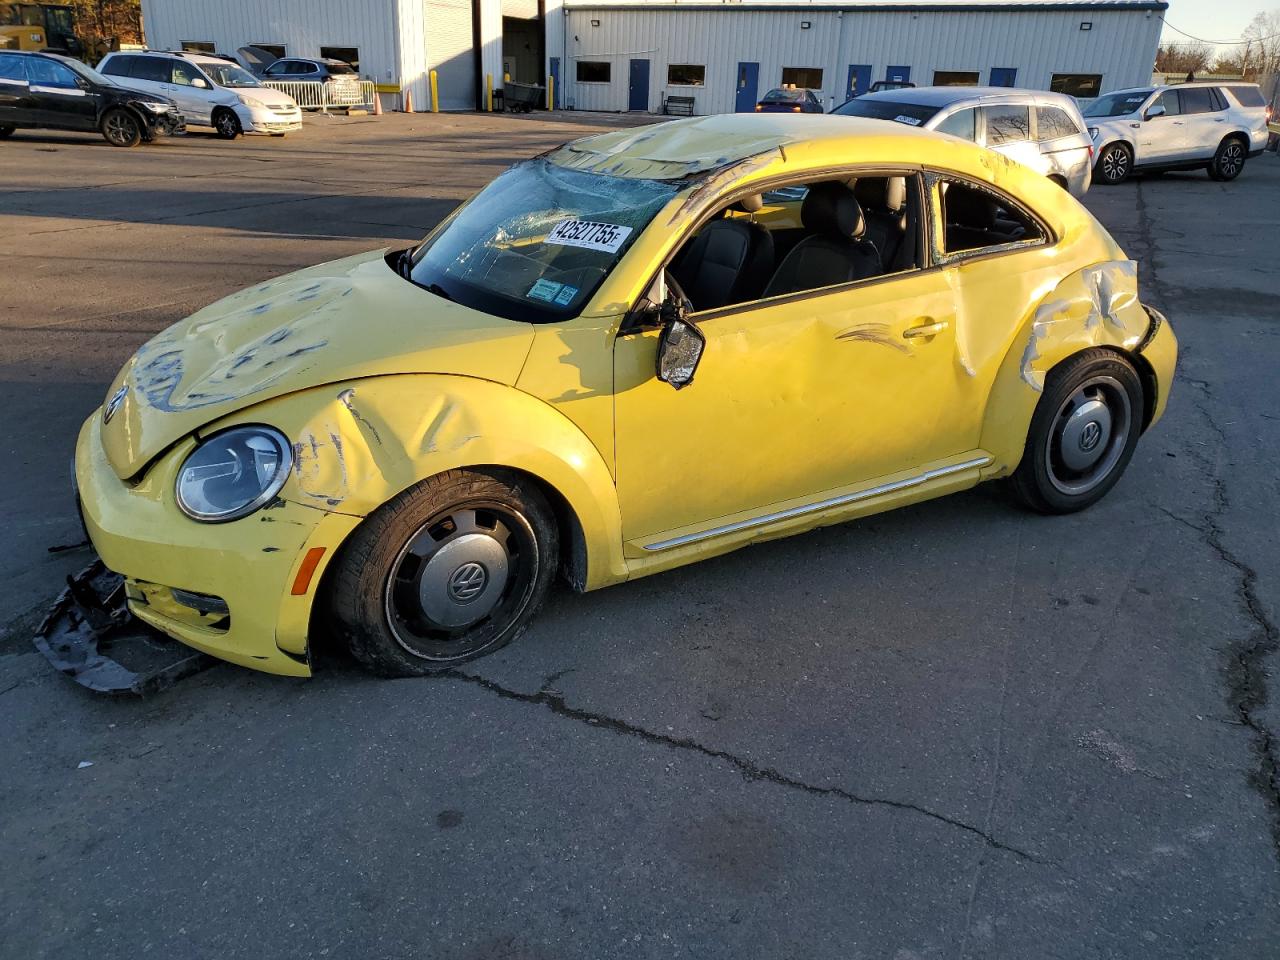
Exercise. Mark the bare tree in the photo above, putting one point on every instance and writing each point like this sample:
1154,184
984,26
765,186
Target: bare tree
1183,57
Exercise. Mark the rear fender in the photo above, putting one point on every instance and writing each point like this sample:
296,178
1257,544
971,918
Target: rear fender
1094,307
359,443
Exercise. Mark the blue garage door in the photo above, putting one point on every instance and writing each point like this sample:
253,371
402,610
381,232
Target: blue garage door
859,79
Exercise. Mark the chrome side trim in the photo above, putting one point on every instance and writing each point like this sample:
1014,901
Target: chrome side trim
842,500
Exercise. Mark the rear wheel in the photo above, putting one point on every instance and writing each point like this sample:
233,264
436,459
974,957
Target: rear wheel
1115,163
1082,435
121,128
1228,161
449,570
226,124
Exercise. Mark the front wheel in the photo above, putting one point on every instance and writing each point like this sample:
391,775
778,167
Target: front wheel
1083,433
226,125
1115,163
121,128
1228,160
449,570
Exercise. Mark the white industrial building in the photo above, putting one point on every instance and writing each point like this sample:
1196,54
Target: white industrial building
622,56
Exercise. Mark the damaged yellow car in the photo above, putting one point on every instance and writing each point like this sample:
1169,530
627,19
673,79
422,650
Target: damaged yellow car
639,350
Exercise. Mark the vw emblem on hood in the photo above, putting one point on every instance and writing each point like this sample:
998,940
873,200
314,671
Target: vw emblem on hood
114,403
467,582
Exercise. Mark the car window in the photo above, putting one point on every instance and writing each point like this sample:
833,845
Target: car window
962,123
153,69
298,67
1053,123
184,73
230,75
275,70
975,220
11,68
1169,100
1007,123
912,114
536,242
1198,100
1247,96
339,69
118,66
50,73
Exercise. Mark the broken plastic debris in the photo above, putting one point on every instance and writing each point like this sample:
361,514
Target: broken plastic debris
83,764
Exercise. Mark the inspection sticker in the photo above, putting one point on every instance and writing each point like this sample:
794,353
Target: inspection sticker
566,295
910,121
544,290
607,237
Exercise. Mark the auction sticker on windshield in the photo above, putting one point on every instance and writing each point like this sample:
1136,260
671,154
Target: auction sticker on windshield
606,237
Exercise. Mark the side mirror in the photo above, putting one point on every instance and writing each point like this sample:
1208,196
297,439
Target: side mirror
199,82
680,348
1156,110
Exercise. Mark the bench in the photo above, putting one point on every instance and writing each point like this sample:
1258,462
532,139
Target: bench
678,106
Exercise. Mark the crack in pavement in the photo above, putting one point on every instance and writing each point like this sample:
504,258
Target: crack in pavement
750,770
1246,675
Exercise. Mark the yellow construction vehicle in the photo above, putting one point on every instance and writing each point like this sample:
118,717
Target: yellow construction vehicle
40,26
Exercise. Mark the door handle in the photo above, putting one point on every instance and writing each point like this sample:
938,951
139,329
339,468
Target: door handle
924,331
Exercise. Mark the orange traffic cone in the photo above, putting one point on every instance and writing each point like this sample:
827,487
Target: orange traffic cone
408,100
377,103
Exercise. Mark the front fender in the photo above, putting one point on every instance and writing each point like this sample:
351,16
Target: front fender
360,442
1094,307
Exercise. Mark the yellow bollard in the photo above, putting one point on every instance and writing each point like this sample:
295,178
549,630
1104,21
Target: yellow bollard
435,94
488,92
551,93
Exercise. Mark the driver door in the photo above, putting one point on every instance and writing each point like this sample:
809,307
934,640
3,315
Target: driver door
795,398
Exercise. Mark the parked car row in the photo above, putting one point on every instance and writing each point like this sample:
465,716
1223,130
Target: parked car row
135,96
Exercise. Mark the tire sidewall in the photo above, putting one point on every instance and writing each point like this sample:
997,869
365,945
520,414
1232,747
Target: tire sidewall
232,131
1128,169
137,128
1215,168
1032,477
360,585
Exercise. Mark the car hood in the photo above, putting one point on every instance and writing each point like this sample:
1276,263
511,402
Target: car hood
338,321
266,96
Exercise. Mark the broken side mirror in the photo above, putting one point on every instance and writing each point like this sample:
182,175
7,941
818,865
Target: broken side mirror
681,346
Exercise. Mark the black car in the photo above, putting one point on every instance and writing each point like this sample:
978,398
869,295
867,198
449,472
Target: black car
790,100
58,93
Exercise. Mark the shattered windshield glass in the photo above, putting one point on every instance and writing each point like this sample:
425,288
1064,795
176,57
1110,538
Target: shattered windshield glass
536,243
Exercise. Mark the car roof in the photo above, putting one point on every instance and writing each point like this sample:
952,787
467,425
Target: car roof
945,96
1194,84
680,148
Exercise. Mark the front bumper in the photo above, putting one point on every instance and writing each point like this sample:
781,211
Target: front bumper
267,120
251,564
166,124
1161,351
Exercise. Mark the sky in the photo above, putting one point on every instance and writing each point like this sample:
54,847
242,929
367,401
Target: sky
1213,19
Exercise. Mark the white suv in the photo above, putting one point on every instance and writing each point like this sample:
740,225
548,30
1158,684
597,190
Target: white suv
210,91
1211,126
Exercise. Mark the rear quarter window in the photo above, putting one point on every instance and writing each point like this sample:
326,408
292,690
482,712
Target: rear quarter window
117,66
155,69
1247,96
1054,123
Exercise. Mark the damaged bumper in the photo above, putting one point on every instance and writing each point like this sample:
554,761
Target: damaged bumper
225,589
1160,349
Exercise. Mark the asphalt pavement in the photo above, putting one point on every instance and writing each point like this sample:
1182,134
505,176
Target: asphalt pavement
956,730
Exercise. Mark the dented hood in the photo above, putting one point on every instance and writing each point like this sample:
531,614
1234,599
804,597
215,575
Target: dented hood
338,321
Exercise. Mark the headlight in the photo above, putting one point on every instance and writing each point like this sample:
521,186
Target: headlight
233,473
249,101
155,107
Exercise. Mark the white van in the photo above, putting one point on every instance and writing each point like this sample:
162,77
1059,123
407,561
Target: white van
210,91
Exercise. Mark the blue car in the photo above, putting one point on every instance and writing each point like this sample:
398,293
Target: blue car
790,100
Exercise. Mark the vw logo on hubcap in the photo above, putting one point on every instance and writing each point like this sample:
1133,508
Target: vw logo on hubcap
1090,436
467,582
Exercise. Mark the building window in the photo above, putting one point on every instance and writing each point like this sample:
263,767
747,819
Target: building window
808,77
349,55
955,78
199,46
686,75
1085,85
594,71
275,49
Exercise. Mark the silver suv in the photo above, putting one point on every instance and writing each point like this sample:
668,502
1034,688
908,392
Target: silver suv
1190,126
1042,130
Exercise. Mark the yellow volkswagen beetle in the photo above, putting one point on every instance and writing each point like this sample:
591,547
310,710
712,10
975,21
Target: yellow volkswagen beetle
638,350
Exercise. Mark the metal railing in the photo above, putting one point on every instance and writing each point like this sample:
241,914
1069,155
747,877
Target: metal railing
327,94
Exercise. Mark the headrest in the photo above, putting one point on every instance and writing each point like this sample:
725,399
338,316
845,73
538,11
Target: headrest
831,207
882,193
751,203
973,208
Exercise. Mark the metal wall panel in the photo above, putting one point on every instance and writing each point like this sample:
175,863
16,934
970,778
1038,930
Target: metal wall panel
1120,46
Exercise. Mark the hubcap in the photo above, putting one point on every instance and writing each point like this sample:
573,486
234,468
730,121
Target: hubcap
1088,436
460,581
119,127
1115,164
1231,158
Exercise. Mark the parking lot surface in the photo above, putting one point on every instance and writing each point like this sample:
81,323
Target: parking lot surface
957,730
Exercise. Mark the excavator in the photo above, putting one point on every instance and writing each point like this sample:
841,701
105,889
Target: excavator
41,26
